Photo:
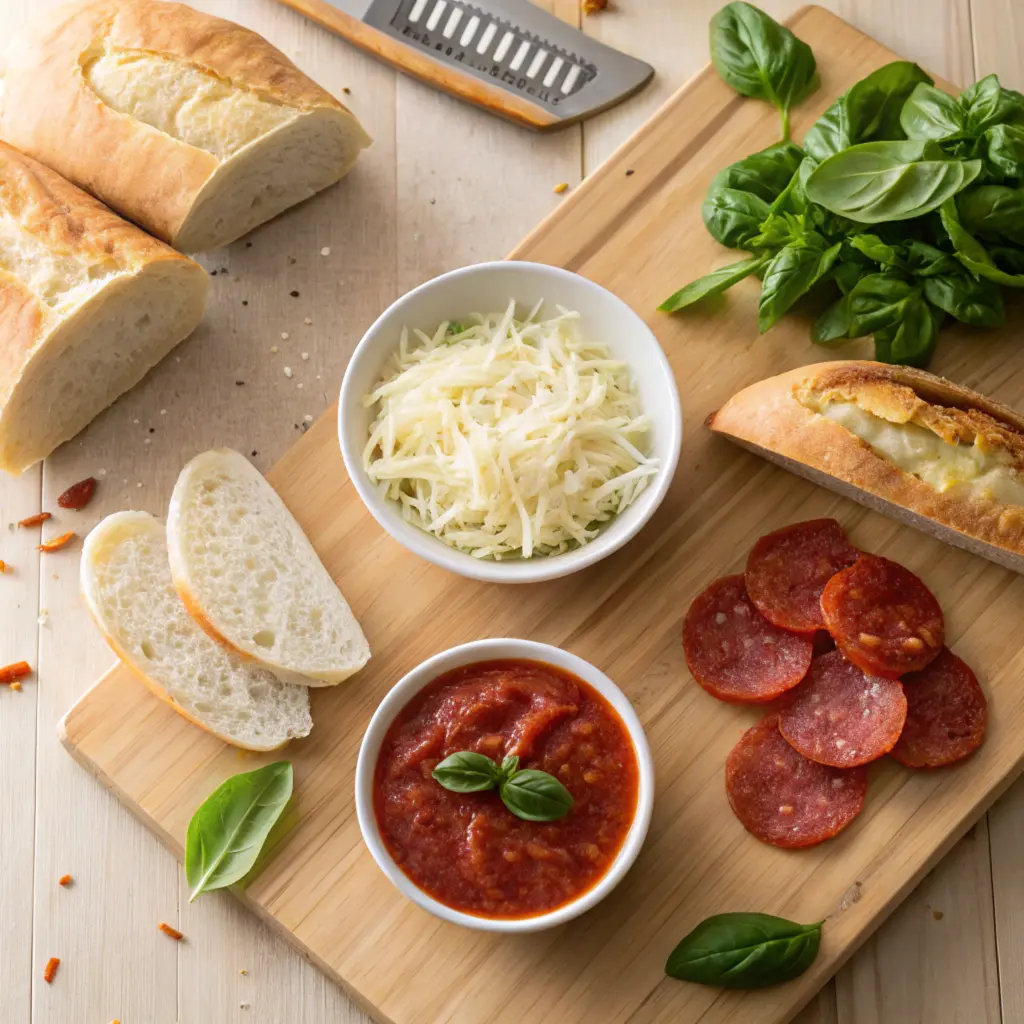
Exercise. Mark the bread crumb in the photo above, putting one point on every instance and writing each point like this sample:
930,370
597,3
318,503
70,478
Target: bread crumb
148,440
326,250
562,187
163,412
44,616
307,418
243,971
136,422
299,385
594,6
305,356
288,371
101,472
15,686
307,320
273,350
938,915
139,484
284,335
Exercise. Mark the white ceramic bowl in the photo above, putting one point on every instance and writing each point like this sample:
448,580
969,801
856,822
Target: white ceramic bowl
487,650
484,288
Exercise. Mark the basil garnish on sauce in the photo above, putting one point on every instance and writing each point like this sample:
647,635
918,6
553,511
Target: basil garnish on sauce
528,793
227,832
745,951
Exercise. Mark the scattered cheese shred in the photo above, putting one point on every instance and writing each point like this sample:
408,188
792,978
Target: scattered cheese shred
508,437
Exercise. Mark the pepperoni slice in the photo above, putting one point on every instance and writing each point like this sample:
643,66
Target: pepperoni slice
882,617
946,714
734,652
787,570
842,717
785,799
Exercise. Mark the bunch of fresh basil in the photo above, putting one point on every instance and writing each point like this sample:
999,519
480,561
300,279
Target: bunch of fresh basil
907,202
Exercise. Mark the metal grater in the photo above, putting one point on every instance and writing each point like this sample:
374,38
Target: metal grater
507,45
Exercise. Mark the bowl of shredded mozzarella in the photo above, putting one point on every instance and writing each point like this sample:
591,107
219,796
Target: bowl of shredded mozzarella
510,421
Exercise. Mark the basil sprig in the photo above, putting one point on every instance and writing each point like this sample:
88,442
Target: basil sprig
528,793
227,832
745,951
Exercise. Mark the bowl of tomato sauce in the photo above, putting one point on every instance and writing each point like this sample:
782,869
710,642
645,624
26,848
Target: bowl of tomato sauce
545,793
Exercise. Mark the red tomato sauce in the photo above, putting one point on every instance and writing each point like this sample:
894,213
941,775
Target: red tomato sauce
466,849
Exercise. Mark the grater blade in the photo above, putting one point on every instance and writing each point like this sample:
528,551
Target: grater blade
514,46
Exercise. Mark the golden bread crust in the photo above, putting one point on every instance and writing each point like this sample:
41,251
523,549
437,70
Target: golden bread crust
771,417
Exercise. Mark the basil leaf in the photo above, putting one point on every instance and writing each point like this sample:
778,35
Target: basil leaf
792,272
971,253
870,110
879,301
780,229
509,766
966,298
986,104
885,181
911,341
993,212
535,796
1008,258
228,830
711,284
745,951
467,772
875,249
758,57
1004,150
733,217
848,273
924,260
766,173
834,324
930,113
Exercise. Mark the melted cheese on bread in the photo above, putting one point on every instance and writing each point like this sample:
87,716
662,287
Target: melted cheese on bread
986,471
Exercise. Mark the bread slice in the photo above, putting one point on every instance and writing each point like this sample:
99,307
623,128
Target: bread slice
126,582
252,580
195,128
88,304
901,441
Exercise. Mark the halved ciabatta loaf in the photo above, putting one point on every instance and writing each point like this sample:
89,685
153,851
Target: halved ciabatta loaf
88,305
904,442
250,577
193,127
126,582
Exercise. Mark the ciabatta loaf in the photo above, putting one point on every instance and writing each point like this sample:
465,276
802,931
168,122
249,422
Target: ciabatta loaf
250,577
88,304
127,586
904,442
193,127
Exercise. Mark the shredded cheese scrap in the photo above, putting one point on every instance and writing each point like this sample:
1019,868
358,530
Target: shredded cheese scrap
508,437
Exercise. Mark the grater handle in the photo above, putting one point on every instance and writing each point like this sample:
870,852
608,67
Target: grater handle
419,65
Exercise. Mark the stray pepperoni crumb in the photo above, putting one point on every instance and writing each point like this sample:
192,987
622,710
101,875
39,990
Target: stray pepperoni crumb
562,187
12,673
594,6
39,517
77,496
51,970
172,932
3,566
64,880
59,542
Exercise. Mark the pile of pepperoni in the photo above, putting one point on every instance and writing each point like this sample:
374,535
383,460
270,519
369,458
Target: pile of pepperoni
851,646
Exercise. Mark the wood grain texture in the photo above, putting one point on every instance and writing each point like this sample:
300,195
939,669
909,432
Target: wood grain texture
607,964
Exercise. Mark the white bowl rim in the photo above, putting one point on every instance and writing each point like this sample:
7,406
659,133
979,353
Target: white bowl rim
499,648
532,570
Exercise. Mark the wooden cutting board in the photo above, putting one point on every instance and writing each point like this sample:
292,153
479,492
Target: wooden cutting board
634,227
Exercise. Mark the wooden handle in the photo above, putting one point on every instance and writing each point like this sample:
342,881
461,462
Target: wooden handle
419,65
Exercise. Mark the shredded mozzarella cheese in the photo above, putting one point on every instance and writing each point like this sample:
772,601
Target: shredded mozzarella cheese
508,437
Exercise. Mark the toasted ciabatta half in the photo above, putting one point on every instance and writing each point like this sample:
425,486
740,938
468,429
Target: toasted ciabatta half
193,127
901,441
88,305
252,580
126,582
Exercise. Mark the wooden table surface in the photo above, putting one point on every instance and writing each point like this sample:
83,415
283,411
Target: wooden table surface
442,186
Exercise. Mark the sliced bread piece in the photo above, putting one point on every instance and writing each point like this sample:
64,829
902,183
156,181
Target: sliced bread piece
252,580
126,582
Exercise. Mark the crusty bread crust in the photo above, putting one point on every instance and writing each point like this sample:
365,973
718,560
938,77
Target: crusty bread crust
48,110
67,221
768,418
